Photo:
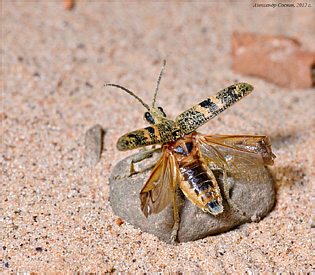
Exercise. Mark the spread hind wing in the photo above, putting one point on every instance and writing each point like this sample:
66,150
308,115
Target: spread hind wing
159,190
236,153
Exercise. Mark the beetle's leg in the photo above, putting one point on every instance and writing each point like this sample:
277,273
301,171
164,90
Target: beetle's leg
140,157
176,220
226,191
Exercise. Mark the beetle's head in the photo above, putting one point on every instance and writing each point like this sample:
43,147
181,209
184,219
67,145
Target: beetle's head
155,115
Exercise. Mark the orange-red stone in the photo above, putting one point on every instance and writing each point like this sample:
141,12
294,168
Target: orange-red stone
277,59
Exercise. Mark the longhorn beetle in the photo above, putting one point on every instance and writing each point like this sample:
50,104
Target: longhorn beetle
188,157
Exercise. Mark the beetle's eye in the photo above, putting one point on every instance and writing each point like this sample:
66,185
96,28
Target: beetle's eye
149,118
161,109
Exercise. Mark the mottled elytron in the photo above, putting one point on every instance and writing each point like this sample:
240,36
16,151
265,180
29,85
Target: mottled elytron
188,157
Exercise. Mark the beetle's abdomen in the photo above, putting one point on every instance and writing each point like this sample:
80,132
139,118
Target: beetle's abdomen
201,187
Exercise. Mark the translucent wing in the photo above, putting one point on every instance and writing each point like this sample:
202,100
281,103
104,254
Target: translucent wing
235,153
199,114
158,191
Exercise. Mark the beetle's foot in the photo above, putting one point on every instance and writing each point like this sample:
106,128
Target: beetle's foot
236,207
130,173
174,233
132,170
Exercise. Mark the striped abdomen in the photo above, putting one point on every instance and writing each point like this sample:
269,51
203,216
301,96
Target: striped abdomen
199,184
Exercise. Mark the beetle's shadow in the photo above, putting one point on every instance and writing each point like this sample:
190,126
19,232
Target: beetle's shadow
288,174
280,140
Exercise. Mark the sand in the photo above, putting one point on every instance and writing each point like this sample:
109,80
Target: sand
55,212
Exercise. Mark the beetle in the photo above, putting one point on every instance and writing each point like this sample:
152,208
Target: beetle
189,158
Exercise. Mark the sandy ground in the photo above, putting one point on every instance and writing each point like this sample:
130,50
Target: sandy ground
55,212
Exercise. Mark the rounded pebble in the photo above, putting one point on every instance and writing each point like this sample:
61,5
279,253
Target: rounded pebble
253,191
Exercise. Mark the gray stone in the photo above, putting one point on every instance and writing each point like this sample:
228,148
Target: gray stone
93,145
253,191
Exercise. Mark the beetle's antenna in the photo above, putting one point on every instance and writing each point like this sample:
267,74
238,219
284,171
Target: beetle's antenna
131,93
158,83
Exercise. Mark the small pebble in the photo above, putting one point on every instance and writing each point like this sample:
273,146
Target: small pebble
93,145
119,221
